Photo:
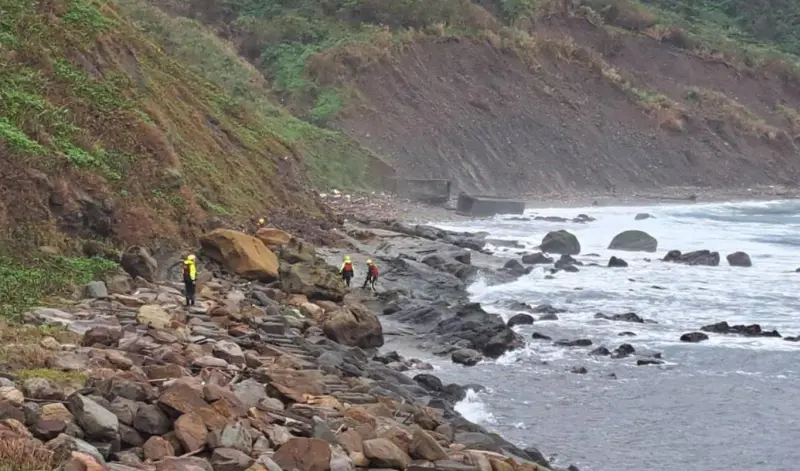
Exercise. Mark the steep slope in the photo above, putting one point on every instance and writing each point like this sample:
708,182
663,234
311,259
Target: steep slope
526,96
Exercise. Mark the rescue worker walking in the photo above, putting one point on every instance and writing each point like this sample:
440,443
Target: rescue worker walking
372,275
346,270
190,278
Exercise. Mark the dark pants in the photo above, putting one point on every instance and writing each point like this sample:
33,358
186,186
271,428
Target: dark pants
347,276
370,281
190,286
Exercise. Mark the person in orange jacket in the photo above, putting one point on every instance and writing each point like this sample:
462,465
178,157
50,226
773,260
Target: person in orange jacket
372,275
347,270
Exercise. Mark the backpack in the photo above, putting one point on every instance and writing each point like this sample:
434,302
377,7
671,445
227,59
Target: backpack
187,274
373,271
348,267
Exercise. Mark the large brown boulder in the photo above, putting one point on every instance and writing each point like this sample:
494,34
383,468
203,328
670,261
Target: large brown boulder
304,454
354,326
272,237
317,280
242,254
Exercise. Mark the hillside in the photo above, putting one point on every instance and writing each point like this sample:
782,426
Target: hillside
532,96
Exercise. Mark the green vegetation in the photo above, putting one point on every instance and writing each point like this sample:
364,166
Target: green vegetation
25,285
67,379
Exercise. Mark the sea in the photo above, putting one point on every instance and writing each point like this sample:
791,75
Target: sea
727,403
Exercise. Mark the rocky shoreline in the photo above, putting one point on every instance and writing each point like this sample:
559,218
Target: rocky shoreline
276,368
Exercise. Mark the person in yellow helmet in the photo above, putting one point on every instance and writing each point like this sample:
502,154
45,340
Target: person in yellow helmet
262,222
346,270
372,275
190,278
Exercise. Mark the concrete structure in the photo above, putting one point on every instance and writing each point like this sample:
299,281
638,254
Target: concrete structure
485,206
429,190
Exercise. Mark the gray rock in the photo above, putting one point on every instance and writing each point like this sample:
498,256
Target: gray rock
560,242
739,259
466,357
96,421
96,290
229,351
151,420
40,388
323,432
138,262
228,459
64,444
235,436
124,409
634,241
250,392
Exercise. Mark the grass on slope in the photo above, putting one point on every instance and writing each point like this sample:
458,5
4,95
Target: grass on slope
97,107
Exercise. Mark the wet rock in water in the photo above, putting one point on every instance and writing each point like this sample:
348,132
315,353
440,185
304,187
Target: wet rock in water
634,241
538,336
627,334
537,258
752,330
548,317
627,317
580,370
560,242
429,382
699,257
792,339
547,309
574,343
642,216
466,357
515,268
583,218
600,351
520,319
566,261
648,361
624,350
615,262
694,337
354,326
137,262
486,332
739,259
550,218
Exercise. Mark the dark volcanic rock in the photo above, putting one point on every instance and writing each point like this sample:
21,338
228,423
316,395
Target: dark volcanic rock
560,242
466,357
566,261
627,334
648,361
538,336
627,317
574,343
642,216
520,319
699,257
634,241
579,370
548,317
486,332
615,262
623,351
739,259
752,330
537,258
600,351
547,309
694,337
515,268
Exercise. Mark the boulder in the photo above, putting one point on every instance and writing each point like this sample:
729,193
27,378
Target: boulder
486,333
191,432
317,280
383,453
574,343
623,351
424,447
694,337
466,357
304,454
752,330
272,237
98,422
536,259
241,254
560,242
634,241
153,315
514,267
106,335
698,257
354,326
96,290
642,216
739,259
520,319
157,448
137,262
627,317
615,262
228,459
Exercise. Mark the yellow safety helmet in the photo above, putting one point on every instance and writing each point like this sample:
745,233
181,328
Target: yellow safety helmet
262,221
191,258
346,258
369,262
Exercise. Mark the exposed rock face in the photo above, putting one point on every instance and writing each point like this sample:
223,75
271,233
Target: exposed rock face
699,257
560,242
466,357
536,259
634,241
615,262
485,332
520,319
753,330
694,337
739,259
138,263
355,326
242,254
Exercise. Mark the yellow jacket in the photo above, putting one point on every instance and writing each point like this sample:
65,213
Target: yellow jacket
192,269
